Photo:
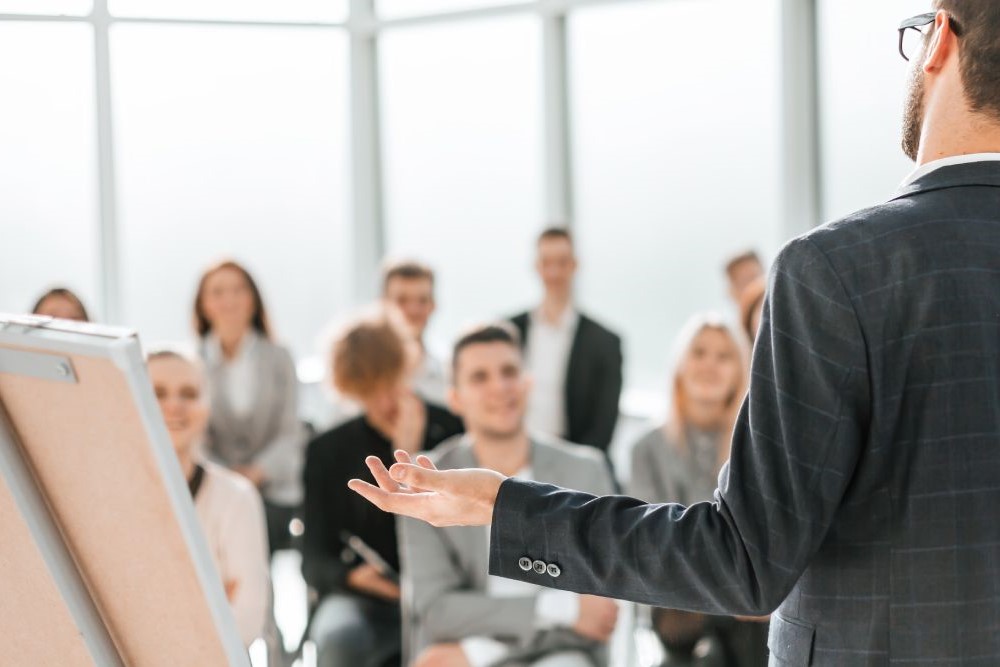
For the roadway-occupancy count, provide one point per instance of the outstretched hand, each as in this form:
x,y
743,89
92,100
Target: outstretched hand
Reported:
x,y
440,497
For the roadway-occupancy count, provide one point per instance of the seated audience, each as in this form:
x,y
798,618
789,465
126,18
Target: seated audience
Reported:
x,y
576,364
409,287
61,303
680,462
357,621
462,617
228,506
254,428
741,270
752,306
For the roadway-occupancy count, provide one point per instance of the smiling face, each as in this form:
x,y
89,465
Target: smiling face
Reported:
x,y
228,301
490,391
556,264
414,298
711,371
180,391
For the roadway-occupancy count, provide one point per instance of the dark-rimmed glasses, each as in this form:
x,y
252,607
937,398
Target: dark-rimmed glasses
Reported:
x,y
917,24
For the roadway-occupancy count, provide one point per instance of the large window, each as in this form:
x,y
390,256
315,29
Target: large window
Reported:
x,y
863,87
463,175
232,142
397,8
55,7
247,10
675,116
48,170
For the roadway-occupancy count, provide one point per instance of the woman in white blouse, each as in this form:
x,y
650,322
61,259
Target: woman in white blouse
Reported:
x,y
228,506
254,428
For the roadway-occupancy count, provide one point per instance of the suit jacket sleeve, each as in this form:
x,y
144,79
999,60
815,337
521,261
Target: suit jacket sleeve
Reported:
x,y
440,597
609,389
797,441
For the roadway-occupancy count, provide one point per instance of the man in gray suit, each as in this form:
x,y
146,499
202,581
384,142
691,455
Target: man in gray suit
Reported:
x,y
862,497
464,616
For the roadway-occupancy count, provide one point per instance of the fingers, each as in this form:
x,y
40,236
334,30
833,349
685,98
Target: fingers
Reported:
x,y
422,460
381,475
419,477
425,462
408,504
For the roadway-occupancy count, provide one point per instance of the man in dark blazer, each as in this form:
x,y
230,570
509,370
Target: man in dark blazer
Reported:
x,y
862,497
576,363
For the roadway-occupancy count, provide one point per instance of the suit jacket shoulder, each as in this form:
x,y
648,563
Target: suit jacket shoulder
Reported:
x,y
591,327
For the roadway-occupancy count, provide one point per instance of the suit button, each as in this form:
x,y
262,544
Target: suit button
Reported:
x,y
524,563
539,567
553,570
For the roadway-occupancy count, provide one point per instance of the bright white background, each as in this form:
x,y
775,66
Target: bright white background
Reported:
x,y
234,140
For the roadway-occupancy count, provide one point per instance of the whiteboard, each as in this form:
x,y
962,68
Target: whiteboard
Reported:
x,y
102,559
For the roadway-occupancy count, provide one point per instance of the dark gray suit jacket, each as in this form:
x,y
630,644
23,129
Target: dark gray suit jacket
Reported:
x,y
862,498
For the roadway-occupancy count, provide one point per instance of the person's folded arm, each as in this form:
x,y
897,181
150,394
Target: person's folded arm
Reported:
x,y
796,444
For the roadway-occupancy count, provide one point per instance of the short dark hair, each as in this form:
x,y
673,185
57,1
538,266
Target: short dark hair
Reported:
x,y
740,257
490,332
407,269
61,293
978,24
556,232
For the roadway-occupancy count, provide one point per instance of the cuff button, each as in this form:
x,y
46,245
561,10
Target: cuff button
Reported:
x,y
554,570
539,567
524,563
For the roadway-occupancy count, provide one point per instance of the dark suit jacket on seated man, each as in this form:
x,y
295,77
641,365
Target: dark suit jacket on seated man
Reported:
x,y
862,497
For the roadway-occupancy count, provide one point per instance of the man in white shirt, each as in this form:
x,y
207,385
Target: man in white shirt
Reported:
x,y
576,363
460,616
408,286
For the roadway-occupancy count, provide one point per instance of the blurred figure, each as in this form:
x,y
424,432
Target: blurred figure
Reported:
x,y
228,506
680,462
409,287
61,303
357,622
462,617
254,427
751,307
741,270
576,364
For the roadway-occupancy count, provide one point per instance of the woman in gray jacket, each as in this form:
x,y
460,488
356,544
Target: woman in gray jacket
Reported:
x,y
255,428
680,462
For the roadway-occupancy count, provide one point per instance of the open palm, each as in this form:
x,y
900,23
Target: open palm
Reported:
x,y
440,497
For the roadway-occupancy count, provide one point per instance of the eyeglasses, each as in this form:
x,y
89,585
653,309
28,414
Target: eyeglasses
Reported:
x,y
911,33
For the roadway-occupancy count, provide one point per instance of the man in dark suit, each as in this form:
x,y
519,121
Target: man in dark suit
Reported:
x,y
862,497
576,363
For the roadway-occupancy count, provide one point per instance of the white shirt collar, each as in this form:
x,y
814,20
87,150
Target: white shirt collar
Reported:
x,y
213,348
927,168
567,321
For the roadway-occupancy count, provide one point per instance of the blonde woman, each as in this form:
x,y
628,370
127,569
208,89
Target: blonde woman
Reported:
x,y
680,462
228,506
